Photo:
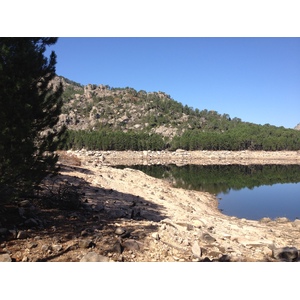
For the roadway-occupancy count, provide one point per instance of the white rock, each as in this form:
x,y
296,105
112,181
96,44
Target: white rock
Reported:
x,y
196,250
155,235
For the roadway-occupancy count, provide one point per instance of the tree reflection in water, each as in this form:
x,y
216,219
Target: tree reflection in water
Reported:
x,y
247,191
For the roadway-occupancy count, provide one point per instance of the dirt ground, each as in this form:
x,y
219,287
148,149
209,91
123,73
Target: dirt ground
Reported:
x,y
127,216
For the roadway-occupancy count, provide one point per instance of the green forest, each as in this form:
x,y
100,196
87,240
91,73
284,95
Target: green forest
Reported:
x,y
111,140
242,137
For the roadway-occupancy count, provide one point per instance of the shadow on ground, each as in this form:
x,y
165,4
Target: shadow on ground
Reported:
x,y
68,210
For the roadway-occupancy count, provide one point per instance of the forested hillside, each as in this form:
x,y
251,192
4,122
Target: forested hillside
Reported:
x,y
100,117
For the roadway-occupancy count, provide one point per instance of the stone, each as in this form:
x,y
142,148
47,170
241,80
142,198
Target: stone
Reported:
x,y
196,259
131,245
99,207
56,248
117,247
255,243
297,223
185,242
206,259
94,257
22,235
286,254
265,220
120,231
208,238
224,258
32,245
282,220
85,243
155,235
189,227
197,223
226,236
196,250
45,248
267,251
5,258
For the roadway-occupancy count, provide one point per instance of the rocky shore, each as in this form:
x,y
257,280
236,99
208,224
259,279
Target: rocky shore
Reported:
x,y
127,216
182,157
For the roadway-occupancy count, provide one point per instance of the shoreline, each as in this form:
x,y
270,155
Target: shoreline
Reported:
x,y
182,157
192,220
196,211
128,216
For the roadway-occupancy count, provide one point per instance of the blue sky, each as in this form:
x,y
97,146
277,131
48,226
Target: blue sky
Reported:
x,y
255,79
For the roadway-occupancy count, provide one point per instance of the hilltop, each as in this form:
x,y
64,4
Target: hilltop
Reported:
x,y
100,106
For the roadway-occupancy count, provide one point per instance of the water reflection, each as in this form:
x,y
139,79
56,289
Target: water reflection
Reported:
x,y
272,201
251,192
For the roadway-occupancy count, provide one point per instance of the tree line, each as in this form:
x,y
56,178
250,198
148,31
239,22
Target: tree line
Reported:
x,y
242,137
111,140
245,136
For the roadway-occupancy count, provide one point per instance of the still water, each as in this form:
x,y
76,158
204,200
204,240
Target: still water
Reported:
x,y
277,200
250,192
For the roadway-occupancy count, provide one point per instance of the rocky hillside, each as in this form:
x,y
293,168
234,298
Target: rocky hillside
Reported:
x,y
101,106
297,127
106,118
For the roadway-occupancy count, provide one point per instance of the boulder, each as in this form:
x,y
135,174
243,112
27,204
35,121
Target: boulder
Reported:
x,y
5,258
94,257
86,243
286,254
131,244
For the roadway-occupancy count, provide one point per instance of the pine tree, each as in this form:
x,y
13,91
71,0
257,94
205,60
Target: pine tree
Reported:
x,y
30,106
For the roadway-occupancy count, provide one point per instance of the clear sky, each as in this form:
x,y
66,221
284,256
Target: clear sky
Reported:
x,y
255,79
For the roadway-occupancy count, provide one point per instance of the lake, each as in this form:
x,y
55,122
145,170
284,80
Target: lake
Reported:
x,y
250,192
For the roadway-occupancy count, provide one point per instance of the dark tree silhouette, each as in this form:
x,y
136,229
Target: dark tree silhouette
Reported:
x,y
30,106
